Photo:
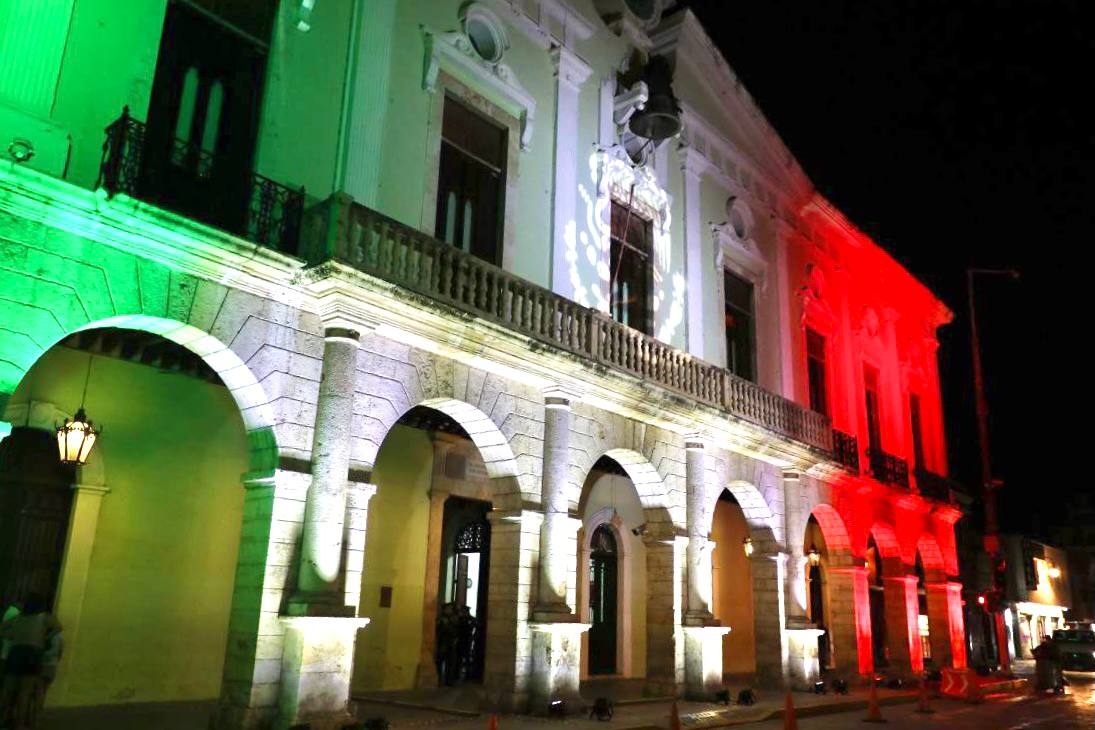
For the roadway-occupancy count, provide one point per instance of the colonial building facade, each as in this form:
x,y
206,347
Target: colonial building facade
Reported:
x,y
397,310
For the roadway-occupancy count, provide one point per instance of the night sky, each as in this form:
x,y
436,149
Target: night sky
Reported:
x,y
953,132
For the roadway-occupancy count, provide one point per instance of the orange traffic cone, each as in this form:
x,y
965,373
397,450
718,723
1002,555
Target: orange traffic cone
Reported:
x,y
790,721
874,714
492,722
674,718
922,700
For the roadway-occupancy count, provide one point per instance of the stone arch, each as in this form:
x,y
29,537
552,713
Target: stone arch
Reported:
x,y
758,515
885,537
498,458
246,391
648,484
832,527
503,418
931,556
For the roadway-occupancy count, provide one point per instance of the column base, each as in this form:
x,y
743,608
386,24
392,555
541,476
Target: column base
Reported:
x,y
556,665
316,665
703,660
803,670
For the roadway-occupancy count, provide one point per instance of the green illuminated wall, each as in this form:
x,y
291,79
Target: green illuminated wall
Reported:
x,y
155,610
395,555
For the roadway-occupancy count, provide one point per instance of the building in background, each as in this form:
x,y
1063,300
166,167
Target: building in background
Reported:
x,y
395,312
1037,592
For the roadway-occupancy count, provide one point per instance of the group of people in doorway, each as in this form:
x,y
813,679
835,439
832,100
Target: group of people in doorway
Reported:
x,y
30,650
457,632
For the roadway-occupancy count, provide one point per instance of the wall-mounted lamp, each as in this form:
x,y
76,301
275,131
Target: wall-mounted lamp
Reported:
x,y
1054,572
813,555
747,546
639,531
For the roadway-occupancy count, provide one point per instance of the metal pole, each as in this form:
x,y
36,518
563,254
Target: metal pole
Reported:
x,y
989,485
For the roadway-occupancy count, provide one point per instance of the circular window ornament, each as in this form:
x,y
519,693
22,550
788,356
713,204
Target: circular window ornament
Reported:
x,y
485,31
739,217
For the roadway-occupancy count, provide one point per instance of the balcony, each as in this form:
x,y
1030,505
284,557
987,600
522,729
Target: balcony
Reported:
x,y
193,182
384,248
888,468
846,451
939,488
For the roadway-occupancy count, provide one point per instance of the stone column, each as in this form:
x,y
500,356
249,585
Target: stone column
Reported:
x,y
321,620
665,559
69,605
320,574
699,567
847,615
946,624
570,73
696,265
557,640
794,534
902,630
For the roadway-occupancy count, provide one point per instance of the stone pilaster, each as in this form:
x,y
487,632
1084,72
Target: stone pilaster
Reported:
x,y
946,624
514,546
357,518
79,543
803,670
426,675
570,73
846,616
317,661
665,567
902,631
793,523
696,265
769,616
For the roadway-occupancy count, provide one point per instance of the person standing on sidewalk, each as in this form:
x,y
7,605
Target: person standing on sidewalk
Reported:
x,y
27,635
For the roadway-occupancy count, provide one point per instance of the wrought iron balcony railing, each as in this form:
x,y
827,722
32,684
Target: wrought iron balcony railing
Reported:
x,y
342,230
939,488
194,182
846,451
888,468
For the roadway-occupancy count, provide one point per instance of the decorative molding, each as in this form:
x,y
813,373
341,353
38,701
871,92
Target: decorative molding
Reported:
x,y
569,68
740,255
453,53
616,176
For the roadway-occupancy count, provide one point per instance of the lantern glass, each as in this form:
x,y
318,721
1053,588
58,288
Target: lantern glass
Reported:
x,y
747,546
813,555
75,439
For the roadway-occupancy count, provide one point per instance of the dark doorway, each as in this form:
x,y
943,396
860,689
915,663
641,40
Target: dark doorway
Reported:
x,y
203,114
465,570
817,615
878,605
603,571
35,503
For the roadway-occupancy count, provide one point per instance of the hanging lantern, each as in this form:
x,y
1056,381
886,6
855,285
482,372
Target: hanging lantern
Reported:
x,y
813,555
747,546
76,438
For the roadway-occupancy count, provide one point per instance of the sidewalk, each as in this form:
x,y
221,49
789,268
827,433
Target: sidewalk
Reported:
x,y
629,715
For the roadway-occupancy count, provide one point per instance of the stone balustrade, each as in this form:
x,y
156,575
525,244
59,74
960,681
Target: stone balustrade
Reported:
x,y
382,247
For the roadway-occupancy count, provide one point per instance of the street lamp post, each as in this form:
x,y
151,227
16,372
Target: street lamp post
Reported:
x,y
988,483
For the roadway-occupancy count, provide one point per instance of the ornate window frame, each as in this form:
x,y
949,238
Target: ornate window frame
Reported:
x,y
740,255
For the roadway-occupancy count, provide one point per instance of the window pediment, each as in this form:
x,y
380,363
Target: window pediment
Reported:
x,y
741,255
455,53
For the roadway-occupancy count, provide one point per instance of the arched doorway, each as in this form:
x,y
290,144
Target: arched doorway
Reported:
x,y
732,586
611,575
817,590
465,578
146,549
877,591
427,561
603,608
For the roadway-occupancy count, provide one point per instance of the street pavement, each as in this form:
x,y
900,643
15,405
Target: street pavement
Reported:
x,y
1018,711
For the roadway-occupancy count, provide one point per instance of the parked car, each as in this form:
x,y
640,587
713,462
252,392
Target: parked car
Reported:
x,y
1076,649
